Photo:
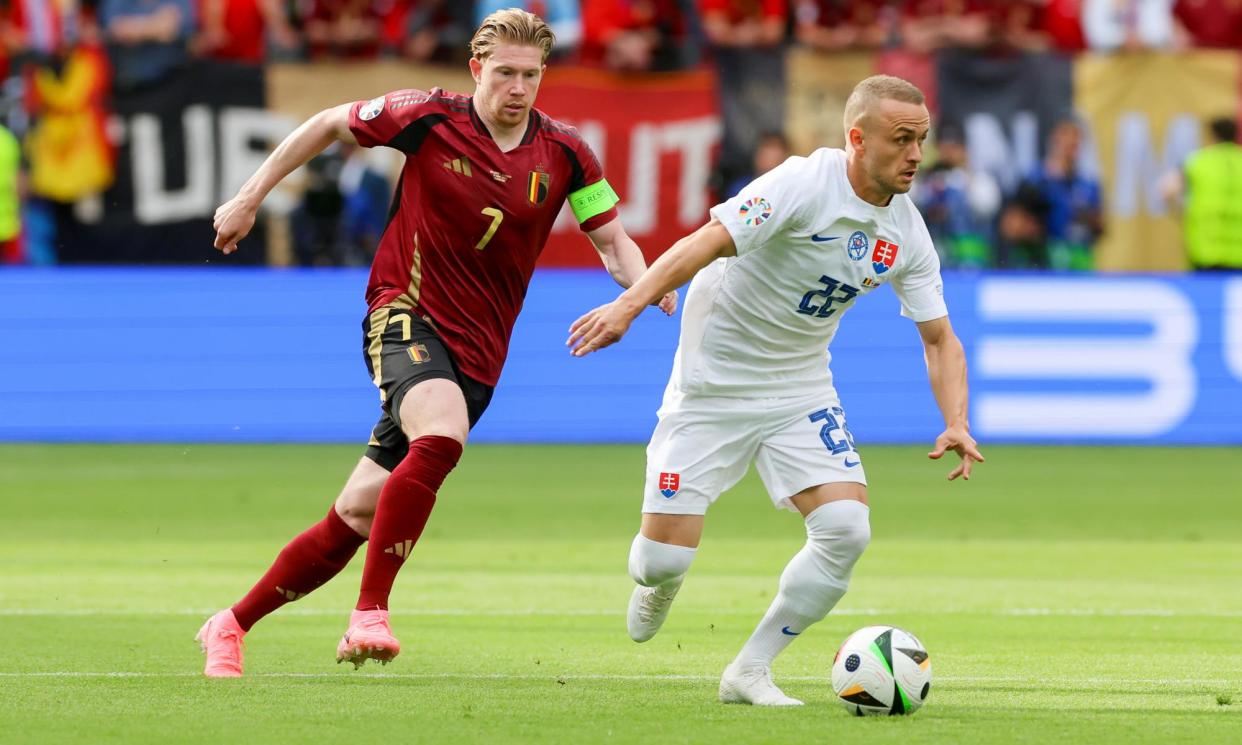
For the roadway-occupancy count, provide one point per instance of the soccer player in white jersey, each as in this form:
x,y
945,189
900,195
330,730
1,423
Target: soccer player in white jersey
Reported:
x,y
774,271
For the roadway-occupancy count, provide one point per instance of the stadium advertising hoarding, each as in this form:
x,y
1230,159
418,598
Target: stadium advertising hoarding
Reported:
x,y
265,355
184,145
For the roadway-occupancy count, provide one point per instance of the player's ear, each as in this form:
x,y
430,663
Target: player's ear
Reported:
x,y
476,69
855,136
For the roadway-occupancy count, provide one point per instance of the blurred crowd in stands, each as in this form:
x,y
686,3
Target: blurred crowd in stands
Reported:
x,y
51,50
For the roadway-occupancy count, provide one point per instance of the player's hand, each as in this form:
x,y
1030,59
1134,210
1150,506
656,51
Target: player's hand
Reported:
x,y
668,303
599,328
959,441
232,222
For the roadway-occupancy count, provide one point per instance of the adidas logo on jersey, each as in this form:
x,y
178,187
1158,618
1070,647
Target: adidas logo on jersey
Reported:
x,y
459,165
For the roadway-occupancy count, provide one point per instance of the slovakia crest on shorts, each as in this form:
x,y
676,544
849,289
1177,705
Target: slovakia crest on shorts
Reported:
x,y
883,256
670,484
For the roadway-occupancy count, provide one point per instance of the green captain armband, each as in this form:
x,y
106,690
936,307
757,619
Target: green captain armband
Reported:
x,y
592,200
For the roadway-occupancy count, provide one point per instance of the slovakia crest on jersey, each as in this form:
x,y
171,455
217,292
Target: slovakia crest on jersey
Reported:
x,y
857,245
884,255
670,484
755,212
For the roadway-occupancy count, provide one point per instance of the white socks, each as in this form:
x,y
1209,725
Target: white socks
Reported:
x,y
813,581
653,564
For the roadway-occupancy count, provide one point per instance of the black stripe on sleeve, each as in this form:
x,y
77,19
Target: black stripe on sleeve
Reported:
x,y
578,179
410,139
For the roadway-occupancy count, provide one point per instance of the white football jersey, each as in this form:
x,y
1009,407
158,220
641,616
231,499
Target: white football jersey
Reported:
x,y
759,323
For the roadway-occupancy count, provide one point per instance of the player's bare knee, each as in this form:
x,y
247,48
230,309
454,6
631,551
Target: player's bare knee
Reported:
x,y
356,515
653,563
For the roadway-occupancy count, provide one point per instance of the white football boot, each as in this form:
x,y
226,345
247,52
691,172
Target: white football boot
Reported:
x,y
752,685
648,609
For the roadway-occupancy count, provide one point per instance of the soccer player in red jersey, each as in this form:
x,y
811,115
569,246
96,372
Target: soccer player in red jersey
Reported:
x,y
483,181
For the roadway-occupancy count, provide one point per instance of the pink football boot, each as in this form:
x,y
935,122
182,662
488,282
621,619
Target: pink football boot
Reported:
x,y
221,639
369,638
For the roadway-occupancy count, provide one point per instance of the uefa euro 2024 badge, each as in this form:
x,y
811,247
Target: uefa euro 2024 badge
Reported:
x,y
371,109
755,211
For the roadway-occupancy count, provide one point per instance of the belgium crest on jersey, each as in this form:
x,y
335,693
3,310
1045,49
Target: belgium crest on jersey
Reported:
x,y
537,187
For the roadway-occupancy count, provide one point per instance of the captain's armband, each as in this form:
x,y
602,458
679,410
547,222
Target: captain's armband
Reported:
x,y
592,200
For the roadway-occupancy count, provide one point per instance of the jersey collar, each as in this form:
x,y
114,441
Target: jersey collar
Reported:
x,y
533,122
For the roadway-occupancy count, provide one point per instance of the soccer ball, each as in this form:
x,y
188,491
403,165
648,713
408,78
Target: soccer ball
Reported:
x,y
881,670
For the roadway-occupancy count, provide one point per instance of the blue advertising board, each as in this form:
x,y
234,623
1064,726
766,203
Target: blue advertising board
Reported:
x,y
261,355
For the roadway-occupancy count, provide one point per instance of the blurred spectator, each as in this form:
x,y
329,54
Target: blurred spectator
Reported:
x,y
71,159
1211,184
146,38
1211,23
430,30
747,41
341,28
772,150
238,29
744,24
344,208
930,25
633,35
1062,22
316,222
1022,230
839,25
364,213
10,198
958,203
70,154
564,16
1074,220
37,28
1129,25
1019,25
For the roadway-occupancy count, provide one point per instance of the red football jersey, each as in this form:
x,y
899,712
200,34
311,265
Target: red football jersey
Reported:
x,y
468,222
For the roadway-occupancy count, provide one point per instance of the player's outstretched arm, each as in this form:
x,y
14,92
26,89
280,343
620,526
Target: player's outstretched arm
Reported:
x,y
235,218
624,259
608,323
946,368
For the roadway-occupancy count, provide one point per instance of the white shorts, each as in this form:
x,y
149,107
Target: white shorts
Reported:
x,y
703,446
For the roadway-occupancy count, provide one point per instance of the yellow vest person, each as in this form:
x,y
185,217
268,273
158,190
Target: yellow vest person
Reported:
x,y
1213,218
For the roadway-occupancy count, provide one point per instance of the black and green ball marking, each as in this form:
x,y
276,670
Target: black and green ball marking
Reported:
x,y
882,647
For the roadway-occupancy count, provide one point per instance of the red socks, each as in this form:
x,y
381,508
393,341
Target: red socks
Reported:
x,y
311,559
405,503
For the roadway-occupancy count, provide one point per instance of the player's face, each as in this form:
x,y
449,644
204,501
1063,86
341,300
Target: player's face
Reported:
x,y
507,82
893,136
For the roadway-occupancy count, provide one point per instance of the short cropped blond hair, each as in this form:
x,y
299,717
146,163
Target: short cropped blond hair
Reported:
x,y
874,89
515,26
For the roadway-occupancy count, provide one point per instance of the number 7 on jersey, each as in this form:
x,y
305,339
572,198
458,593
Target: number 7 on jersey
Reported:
x,y
497,216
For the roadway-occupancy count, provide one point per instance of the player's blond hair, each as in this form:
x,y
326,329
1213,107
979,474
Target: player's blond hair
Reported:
x,y
874,89
515,26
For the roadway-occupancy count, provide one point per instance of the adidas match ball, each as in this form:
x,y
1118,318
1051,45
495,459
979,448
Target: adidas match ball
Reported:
x,y
881,670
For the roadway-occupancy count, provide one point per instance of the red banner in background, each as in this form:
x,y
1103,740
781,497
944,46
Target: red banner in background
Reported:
x,y
656,136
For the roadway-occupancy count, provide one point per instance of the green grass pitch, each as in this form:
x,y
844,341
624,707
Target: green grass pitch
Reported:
x,y
1066,595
